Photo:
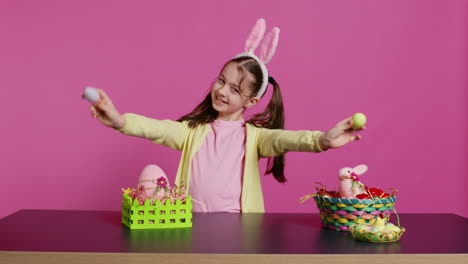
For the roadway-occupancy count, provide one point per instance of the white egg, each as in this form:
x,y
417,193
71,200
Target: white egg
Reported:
x,y
91,94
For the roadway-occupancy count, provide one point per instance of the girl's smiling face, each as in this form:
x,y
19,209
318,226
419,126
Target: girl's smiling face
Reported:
x,y
231,95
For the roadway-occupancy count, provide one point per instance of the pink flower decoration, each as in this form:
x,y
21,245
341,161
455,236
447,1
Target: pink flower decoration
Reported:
x,y
354,176
162,182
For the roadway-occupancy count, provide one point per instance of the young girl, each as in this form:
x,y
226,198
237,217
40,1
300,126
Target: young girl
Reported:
x,y
220,150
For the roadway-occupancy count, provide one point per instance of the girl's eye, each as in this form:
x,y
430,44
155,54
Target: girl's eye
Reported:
x,y
235,90
221,80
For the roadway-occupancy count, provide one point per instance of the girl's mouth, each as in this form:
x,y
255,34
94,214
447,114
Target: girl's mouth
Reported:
x,y
219,101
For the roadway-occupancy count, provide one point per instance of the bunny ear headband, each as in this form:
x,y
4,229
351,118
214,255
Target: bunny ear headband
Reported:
x,y
267,49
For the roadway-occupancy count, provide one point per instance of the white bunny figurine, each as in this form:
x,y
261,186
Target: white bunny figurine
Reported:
x,y
350,185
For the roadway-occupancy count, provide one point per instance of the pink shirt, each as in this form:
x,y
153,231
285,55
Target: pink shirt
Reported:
x,y
217,168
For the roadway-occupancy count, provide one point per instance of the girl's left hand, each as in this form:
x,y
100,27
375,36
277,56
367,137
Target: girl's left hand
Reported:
x,y
340,135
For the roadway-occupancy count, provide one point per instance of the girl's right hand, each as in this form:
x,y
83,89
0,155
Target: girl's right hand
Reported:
x,y
105,112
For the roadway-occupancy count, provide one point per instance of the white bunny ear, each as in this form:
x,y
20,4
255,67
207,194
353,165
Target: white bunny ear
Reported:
x,y
255,36
360,169
269,44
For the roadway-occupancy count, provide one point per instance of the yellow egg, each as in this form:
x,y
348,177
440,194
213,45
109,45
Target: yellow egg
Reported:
x,y
392,227
359,120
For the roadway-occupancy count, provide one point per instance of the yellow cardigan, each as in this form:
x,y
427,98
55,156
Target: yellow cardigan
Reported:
x,y
260,143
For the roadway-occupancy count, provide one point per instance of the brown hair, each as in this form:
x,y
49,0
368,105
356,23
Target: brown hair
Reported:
x,y
272,117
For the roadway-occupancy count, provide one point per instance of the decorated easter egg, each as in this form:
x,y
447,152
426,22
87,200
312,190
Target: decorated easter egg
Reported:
x,y
151,178
91,94
359,120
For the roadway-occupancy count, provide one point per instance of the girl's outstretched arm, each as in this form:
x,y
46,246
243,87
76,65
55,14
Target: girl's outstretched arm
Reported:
x,y
167,132
276,142
340,135
104,111
164,132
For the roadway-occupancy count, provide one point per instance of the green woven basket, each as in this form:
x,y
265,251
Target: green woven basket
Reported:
x,y
159,215
340,214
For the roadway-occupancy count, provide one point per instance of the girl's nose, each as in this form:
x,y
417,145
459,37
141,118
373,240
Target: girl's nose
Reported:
x,y
222,90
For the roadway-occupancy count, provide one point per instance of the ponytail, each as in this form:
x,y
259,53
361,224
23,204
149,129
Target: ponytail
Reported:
x,y
273,118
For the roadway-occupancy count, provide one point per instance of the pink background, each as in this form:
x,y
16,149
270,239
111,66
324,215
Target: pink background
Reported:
x,y
402,63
